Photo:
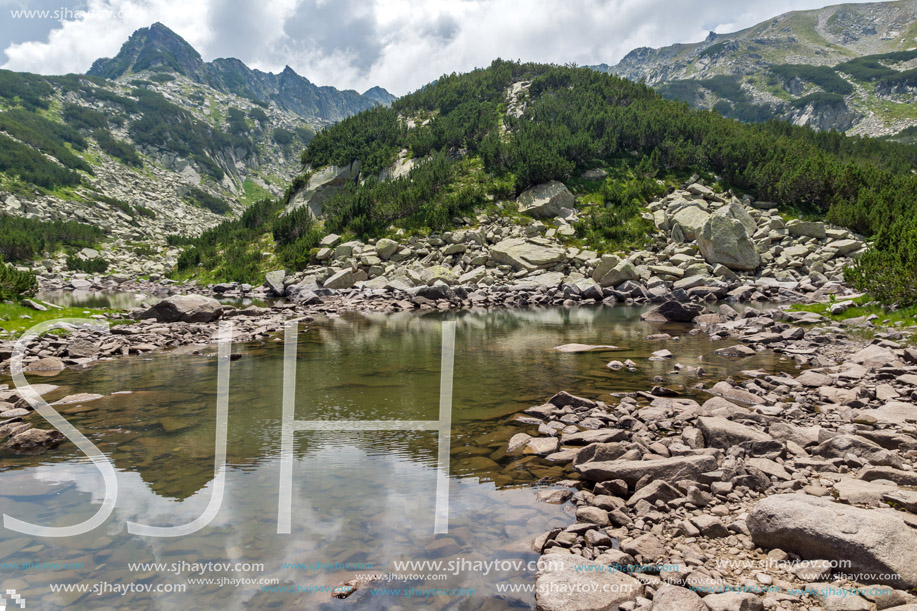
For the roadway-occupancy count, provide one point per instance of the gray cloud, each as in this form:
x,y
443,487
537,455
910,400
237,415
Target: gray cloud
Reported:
x,y
398,44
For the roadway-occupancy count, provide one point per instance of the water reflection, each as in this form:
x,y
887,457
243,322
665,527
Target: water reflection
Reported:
x,y
358,496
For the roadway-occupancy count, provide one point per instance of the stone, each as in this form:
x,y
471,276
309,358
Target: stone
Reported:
x,y
840,446
622,272
808,229
874,357
569,582
875,543
274,281
658,490
675,311
737,211
385,248
547,200
541,446
34,441
814,379
647,547
593,515
691,220
675,598
343,279
185,308
734,601
724,241
524,254
670,470
735,352
49,363
723,433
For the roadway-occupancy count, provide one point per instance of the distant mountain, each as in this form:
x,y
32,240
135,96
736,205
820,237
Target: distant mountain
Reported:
x,y
848,67
159,49
155,142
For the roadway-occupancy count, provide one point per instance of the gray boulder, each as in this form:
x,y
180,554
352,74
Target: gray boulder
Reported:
x,y
735,210
724,240
723,433
274,281
185,308
527,254
343,279
734,601
808,229
675,598
691,220
568,582
876,543
547,200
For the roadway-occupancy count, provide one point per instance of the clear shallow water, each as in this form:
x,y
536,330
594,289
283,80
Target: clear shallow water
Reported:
x,y
119,300
358,497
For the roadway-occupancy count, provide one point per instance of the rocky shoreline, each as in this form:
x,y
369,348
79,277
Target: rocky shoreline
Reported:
x,y
776,492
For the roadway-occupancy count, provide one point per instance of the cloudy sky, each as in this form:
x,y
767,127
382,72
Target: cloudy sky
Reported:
x,y
398,44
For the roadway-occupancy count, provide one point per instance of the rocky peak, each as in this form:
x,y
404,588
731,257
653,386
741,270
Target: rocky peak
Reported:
x,y
155,47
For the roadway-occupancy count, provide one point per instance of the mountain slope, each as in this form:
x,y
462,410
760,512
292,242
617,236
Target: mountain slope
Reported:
x,y
162,144
819,68
159,49
478,141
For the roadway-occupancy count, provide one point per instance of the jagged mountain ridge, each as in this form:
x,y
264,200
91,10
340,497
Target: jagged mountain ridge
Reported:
x,y
158,149
760,72
158,48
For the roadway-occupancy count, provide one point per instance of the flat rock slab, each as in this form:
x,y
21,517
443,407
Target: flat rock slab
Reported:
x,y
668,469
874,542
586,348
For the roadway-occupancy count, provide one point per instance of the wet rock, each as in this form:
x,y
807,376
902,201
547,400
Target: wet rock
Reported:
x,y
49,363
674,311
34,441
737,351
185,308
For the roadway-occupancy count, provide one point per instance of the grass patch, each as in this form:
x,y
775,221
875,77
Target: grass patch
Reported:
x,y
864,306
252,192
11,313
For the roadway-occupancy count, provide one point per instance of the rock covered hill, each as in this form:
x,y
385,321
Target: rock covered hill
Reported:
x,y
847,67
155,142
520,171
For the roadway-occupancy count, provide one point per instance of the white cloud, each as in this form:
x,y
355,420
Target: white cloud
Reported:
x,y
398,44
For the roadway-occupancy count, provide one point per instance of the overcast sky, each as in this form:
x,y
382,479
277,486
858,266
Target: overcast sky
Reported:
x,y
398,44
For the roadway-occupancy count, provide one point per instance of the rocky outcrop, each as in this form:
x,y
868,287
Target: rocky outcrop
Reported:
x,y
322,185
527,254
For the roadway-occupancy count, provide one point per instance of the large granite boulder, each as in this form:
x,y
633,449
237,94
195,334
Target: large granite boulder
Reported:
x,y
546,201
735,210
724,240
185,308
274,281
527,254
875,542
691,220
